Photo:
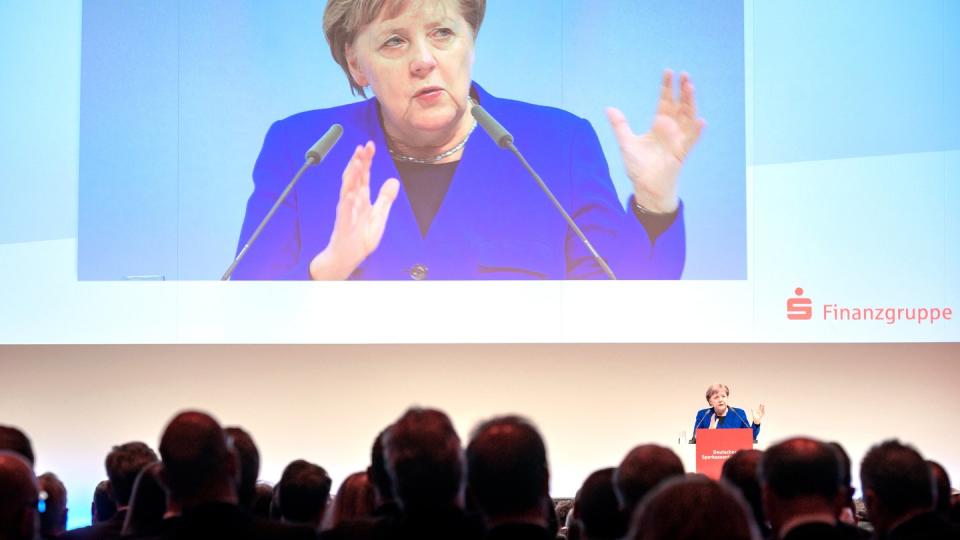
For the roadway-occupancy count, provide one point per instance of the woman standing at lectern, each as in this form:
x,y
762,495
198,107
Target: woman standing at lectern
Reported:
x,y
720,415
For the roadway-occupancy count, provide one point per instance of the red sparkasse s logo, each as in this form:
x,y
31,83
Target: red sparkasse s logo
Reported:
x,y
798,307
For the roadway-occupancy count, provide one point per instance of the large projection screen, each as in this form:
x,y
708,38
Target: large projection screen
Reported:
x,y
819,205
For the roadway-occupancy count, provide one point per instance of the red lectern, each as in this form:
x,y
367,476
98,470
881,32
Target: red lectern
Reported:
x,y
714,446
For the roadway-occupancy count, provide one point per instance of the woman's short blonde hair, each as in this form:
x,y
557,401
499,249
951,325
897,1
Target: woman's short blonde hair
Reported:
x,y
716,388
344,19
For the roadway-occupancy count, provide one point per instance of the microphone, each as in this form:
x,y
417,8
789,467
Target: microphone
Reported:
x,y
504,140
742,418
693,439
314,155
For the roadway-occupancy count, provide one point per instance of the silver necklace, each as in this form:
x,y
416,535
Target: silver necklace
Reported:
x,y
438,157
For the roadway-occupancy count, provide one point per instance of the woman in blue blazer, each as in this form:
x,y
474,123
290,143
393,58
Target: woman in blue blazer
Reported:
x,y
450,204
721,416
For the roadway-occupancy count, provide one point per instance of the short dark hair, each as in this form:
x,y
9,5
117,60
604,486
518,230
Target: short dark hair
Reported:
x,y
425,460
507,469
641,470
377,472
123,464
13,439
302,491
692,507
846,473
53,520
801,467
597,507
742,471
195,454
262,500
148,504
249,464
898,476
102,508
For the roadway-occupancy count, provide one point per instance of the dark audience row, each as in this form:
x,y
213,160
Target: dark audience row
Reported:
x,y
422,484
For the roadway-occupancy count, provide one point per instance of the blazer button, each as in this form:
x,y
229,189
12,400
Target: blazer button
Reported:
x,y
419,272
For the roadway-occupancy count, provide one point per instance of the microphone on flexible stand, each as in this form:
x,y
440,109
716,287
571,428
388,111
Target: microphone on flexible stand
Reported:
x,y
504,140
693,439
744,420
314,155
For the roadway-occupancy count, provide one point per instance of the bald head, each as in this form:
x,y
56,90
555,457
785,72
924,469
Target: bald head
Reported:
x,y
801,467
643,469
198,465
18,497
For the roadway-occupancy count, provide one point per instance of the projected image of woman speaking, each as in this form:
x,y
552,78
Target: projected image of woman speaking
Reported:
x,y
416,190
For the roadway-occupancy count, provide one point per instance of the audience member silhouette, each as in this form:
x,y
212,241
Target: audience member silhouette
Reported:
x,y
249,464
641,470
848,512
424,459
302,494
18,497
803,492
123,464
262,500
53,519
509,479
355,501
102,508
692,508
598,509
386,504
16,441
742,471
148,504
200,472
898,492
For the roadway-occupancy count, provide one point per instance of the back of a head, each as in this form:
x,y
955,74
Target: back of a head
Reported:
x,y
691,508
123,464
18,497
507,471
262,500
898,478
742,471
641,470
103,508
249,464
302,492
16,441
801,468
53,520
846,473
941,480
148,503
377,471
195,456
598,509
354,501
424,460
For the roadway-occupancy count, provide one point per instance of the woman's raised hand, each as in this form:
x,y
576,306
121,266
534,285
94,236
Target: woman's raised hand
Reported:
x,y
653,159
359,224
758,414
